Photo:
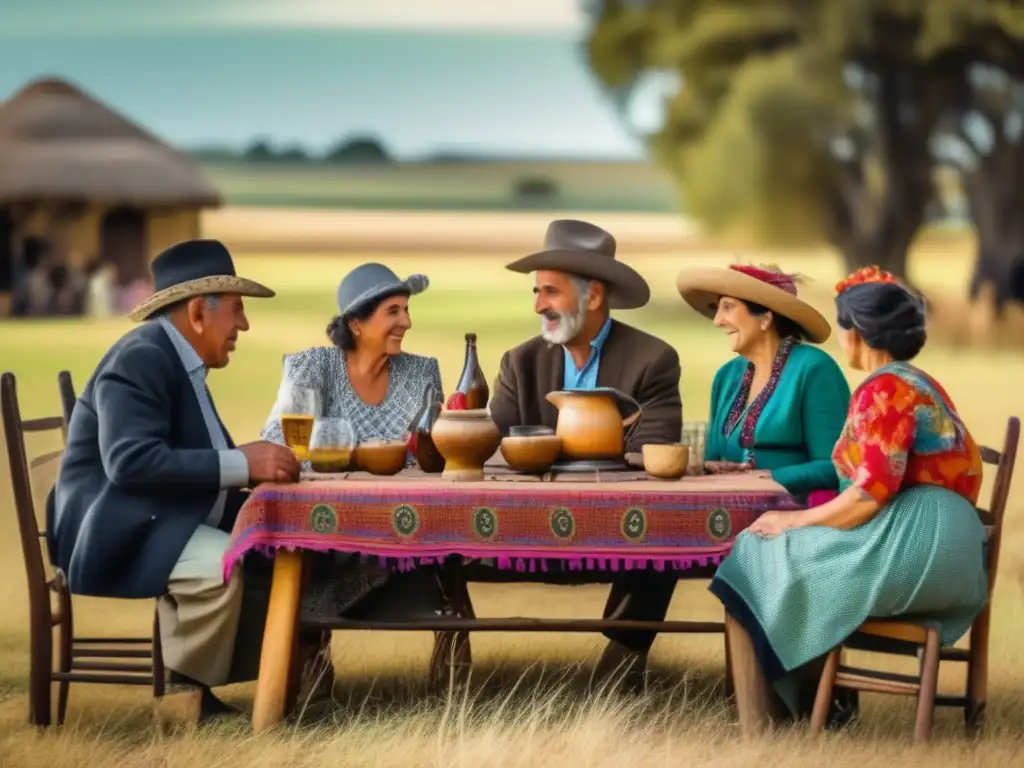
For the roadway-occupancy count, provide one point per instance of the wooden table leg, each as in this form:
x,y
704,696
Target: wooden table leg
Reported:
x,y
279,637
452,657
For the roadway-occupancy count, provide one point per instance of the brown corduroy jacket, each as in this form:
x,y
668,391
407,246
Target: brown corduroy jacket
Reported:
x,y
632,361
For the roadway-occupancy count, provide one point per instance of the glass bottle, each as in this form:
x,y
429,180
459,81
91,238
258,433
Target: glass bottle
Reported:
x,y
472,382
422,445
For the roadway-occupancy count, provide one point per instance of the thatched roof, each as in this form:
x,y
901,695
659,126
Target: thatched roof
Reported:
x,y
58,142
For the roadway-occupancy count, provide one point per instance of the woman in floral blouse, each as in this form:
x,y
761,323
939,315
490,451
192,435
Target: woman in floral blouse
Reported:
x,y
901,538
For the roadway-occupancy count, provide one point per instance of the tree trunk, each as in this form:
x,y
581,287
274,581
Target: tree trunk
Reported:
x,y
878,229
993,191
885,246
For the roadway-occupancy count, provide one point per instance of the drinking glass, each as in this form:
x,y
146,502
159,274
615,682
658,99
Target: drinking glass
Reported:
x,y
298,406
694,433
332,442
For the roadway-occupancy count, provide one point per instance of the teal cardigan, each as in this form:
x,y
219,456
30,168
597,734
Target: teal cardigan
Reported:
x,y
797,429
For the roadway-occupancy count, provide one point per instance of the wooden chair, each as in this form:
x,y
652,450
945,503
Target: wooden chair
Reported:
x,y
80,659
908,638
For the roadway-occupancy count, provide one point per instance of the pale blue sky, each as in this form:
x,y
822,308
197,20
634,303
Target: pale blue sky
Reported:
x,y
493,76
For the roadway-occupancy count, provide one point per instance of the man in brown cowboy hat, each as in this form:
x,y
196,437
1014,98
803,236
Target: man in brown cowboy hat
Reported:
x,y
150,481
577,281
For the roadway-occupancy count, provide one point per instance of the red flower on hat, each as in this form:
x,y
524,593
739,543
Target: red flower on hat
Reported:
x,y
768,274
863,276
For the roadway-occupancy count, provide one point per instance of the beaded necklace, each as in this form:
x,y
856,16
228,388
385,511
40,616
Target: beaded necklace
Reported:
x,y
756,407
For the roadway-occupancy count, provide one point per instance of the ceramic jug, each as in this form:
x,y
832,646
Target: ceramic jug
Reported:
x,y
592,422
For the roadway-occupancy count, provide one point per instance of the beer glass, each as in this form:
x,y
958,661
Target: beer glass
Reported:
x,y
694,433
298,406
332,441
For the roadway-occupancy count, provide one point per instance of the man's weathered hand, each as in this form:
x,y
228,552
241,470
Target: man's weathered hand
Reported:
x,y
270,462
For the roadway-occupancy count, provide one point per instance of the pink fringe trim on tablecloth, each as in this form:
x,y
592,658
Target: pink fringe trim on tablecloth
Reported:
x,y
523,561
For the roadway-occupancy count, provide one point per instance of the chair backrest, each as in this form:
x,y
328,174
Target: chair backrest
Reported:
x,y
67,396
15,429
993,516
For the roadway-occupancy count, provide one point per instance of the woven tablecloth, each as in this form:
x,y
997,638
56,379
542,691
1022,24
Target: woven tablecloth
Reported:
x,y
610,521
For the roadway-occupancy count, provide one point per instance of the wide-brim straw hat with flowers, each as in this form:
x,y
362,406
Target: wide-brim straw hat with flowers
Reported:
x,y
701,287
194,268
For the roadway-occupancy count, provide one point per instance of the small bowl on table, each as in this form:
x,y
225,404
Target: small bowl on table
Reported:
x,y
531,453
381,457
666,462
530,430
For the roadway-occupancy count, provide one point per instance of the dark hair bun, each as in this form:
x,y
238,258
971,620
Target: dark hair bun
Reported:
x,y
886,315
339,333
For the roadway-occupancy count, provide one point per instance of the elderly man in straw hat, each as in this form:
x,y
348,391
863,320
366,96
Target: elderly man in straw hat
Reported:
x,y
577,282
149,484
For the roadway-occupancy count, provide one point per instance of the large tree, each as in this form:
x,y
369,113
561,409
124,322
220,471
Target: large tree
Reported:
x,y
981,136
807,120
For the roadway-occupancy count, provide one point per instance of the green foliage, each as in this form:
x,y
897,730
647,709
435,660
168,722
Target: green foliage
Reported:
x,y
762,159
752,135
743,134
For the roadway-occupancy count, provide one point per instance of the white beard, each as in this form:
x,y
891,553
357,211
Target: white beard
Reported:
x,y
568,325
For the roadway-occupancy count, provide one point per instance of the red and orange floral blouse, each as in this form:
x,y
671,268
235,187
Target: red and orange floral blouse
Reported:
x,y
902,430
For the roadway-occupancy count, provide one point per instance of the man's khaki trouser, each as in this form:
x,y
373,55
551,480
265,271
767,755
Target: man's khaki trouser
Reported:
x,y
211,631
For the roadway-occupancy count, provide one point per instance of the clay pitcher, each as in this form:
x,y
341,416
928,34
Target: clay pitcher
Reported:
x,y
592,423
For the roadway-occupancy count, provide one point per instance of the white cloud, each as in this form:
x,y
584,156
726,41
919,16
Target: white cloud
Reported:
x,y
426,15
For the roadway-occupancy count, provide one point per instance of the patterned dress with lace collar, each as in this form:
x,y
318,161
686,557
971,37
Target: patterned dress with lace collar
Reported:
x,y
340,581
323,369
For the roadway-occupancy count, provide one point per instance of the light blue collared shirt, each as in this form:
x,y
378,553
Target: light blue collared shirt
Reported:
x,y
585,377
234,467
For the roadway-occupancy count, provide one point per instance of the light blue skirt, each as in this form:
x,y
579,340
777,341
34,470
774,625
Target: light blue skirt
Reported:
x,y
804,592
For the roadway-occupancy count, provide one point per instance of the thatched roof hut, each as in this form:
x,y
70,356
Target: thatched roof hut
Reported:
x,y
56,142
81,184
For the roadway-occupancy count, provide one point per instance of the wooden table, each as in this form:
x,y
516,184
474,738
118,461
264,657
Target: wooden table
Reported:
x,y
585,522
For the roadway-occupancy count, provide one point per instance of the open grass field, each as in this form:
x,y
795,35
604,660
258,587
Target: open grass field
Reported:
x,y
526,704
468,185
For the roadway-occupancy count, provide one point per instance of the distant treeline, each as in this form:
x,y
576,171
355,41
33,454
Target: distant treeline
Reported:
x,y
362,150
359,149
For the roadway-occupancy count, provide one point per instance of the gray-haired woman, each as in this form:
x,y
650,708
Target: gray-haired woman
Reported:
x,y
366,378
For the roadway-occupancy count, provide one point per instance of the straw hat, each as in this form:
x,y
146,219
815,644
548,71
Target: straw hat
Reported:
x,y
194,268
701,287
586,250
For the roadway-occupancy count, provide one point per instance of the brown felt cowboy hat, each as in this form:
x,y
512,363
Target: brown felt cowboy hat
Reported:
x,y
701,287
194,268
586,250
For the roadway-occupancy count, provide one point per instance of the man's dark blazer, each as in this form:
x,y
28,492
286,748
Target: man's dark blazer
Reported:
x,y
139,472
632,361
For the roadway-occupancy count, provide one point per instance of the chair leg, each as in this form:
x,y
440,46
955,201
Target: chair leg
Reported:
x,y
977,674
40,671
929,686
67,641
826,686
159,674
728,665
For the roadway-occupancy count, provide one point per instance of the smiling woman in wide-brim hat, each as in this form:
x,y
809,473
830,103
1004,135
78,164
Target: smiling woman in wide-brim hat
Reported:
x,y
702,287
780,404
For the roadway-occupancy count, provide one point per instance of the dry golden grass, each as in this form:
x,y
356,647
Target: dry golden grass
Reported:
x,y
527,703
